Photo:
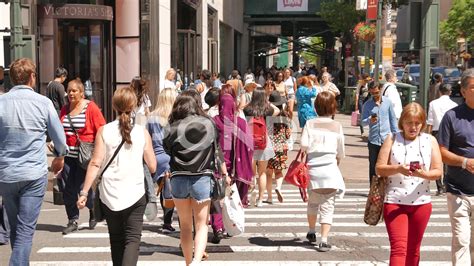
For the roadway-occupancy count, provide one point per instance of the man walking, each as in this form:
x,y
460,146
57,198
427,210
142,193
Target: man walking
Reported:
x,y
436,111
390,91
379,115
456,140
25,117
55,90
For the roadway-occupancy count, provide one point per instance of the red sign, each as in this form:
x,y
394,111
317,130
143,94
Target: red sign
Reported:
x,y
372,9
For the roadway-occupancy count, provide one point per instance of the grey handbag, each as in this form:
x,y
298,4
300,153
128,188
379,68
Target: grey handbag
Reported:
x,y
85,148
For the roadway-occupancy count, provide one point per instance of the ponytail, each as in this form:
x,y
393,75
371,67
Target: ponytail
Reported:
x,y
125,126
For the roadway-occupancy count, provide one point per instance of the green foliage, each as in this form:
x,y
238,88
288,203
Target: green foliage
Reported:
x,y
460,24
314,45
341,16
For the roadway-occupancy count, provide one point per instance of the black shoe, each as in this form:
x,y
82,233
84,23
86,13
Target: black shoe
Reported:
x,y
70,227
311,237
218,235
324,247
92,220
167,228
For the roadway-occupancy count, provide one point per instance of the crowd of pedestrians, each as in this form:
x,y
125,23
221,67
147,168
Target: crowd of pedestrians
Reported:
x,y
241,128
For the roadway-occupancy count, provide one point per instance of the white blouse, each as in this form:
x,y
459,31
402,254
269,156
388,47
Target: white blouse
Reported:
x,y
123,182
409,190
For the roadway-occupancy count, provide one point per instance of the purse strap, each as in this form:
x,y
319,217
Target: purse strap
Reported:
x,y
73,128
111,159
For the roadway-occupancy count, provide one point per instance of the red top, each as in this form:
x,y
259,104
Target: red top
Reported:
x,y
94,121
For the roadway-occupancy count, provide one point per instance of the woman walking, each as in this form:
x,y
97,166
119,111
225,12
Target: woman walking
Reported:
x,y
141,89
257,112
81,120
322,141
305,93
290,84
279,132
124,214
192,165
410,159
156,125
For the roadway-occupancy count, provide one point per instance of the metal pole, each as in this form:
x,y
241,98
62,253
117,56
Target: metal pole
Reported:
x,y
425,52
16,42
378,39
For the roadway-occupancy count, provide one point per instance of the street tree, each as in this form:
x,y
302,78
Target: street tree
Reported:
x,y
460,24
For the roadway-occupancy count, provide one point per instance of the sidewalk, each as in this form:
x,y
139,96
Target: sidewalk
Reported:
x,y
354,167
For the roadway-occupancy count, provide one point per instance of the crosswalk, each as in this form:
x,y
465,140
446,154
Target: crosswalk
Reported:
x,y
275,235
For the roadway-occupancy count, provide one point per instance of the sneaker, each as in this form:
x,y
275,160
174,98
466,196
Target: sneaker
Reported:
x,y
311,237
92,220
167,228
279,195
70,227
218,235
324,247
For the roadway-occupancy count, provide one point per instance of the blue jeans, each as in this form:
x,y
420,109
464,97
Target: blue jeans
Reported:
x,y
22,200
196,187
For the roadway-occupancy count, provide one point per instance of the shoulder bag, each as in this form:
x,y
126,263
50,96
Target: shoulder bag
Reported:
x,y
219,186
298,175
374,205
85,148
97,209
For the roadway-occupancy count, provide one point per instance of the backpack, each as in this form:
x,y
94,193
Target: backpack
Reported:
x,y
259,133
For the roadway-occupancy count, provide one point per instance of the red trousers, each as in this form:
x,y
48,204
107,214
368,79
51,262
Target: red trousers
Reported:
x,y
406,225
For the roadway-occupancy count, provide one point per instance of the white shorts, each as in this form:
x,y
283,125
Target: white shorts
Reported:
x,y
322,203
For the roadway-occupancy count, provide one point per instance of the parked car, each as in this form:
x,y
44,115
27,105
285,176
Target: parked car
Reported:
x,y
411,74
399,72
452,76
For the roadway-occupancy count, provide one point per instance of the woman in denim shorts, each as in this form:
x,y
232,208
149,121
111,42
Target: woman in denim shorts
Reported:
x,y
190,144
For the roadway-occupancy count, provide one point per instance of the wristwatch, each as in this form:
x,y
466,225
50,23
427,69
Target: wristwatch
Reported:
x,y
82,193
464,163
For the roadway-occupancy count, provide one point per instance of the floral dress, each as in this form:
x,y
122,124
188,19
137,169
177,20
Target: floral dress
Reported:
x,y
281,134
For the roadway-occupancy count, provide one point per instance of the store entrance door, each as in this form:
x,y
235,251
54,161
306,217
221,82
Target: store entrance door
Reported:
x,y
186,55
84,51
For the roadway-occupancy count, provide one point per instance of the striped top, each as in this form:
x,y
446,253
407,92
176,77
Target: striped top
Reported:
x,y
79,122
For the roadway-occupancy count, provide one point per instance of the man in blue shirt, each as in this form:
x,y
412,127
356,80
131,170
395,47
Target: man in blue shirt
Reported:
x,y
456,141
25,117
379,115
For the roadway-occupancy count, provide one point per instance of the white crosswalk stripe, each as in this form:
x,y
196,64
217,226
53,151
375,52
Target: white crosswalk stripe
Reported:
x,y
281,229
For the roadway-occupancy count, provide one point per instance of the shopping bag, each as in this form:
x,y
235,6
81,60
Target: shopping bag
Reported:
x,y
233,213
355,118
374,204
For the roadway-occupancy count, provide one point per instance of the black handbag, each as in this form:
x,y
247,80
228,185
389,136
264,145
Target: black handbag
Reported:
x,y
85,148
97,208
219,183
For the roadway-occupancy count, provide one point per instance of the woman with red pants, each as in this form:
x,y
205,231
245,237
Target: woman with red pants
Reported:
x,y
410,159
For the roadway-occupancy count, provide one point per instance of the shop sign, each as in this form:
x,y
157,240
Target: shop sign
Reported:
x,y
372,9
292,5
76,11
361,4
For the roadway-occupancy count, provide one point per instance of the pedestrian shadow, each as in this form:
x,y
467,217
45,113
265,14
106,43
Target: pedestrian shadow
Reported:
x,y
266,242
147,249
53,228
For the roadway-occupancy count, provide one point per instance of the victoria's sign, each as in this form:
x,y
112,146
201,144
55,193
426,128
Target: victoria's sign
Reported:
x,y
292,5
76,11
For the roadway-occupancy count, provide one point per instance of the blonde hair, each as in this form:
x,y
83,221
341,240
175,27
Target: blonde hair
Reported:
x,y
164,105
168,73
413,110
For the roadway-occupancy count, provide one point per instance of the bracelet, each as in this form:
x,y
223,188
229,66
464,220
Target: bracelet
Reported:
x,y
82,193
464,163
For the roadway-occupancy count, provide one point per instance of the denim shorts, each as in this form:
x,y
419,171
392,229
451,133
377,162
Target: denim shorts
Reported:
x,y
196,187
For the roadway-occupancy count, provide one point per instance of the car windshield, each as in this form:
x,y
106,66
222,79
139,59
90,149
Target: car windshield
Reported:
x,y
452,72
400,72
414,69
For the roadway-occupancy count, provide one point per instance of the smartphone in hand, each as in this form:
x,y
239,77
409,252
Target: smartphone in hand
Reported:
x,y
415,165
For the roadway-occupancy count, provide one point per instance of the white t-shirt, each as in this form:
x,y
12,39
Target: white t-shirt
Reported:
x,y
390,91
168,84
145,103
437,109
409,190
205,106
289,84
123,182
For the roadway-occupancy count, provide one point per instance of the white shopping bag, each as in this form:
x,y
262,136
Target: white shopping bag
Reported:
x,y
233,213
